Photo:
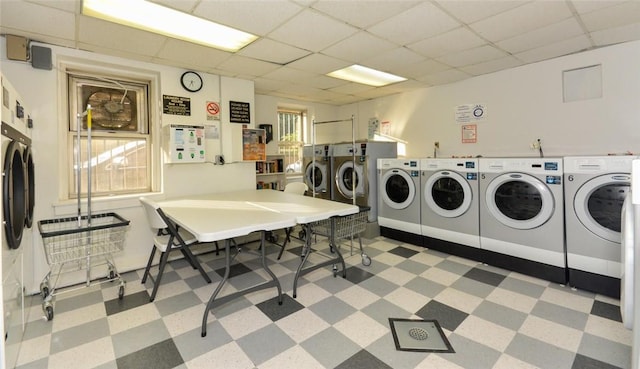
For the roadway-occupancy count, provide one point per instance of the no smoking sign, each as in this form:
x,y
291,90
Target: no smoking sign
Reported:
x,y
213,110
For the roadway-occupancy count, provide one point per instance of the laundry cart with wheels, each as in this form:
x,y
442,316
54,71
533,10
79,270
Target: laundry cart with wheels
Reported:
x,y
83,241
77,243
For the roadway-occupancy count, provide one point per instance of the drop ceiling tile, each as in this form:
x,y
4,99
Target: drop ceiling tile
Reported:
x,y
185,6
117,53
473,11
472,56
375,93
550,34
358,47
187,52
424,67
565,47
421,21
522,19
351,88
290,75
319,63
616,35
394,61
257,17
117,37
456,40
444,77
363,14
66,5
263,85
37,20
613,16
492,66
313,31
239,64
325,82
587,6
273,51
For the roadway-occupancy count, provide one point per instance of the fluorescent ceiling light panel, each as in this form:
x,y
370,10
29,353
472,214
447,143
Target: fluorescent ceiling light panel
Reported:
x,y
358,73
155,18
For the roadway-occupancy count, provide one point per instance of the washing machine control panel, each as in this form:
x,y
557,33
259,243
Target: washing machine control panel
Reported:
x,y
556,180
472,176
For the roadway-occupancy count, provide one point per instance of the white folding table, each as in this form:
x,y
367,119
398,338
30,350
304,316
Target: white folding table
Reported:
x,y
223,216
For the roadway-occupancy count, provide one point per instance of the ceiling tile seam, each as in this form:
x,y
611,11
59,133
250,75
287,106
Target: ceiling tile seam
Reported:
x,y
583,27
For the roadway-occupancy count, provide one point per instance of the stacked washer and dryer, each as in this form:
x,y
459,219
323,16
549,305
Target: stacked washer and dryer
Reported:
x,y
449,214
399,199
522,217
595,190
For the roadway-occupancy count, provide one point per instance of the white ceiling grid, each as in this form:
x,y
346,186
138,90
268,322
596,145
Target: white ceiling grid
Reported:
x,y
430,42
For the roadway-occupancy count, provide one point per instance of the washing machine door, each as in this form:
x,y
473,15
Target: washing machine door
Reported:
x,y
627,257
448,194
519,200
398,189
344,179
315,176
598,204
30,183
13,195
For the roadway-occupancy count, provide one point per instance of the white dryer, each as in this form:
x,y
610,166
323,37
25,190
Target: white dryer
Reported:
x,y
399,199
521,215
450,217
595,189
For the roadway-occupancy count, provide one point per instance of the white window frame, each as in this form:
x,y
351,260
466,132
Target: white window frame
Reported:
x,y
282,145
69,65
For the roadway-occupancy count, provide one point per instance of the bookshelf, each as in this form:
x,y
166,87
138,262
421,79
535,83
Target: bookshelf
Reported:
x,y
270,174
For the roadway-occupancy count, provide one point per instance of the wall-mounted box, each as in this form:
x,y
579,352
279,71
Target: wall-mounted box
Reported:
x,y
184,144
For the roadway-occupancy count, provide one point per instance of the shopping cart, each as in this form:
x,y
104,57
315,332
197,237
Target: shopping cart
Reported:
x,y
346,227
72,244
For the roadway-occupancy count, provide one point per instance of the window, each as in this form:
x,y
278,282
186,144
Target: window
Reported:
x,y
290,130
120,161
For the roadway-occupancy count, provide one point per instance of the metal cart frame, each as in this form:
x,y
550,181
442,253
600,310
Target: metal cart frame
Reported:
x,y
82,242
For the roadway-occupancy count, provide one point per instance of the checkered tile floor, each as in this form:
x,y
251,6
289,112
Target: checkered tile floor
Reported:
x,y
493,318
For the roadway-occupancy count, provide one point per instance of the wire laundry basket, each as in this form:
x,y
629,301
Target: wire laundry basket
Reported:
x,y
346,227
81,242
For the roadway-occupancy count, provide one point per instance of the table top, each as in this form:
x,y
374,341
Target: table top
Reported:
x,y
219,216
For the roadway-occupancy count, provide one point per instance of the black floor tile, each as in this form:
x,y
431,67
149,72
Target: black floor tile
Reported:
x,y
448,317
485,276
275,311
363,359
236,269
356,275
162,355
585,362
606,310
403,251
128,302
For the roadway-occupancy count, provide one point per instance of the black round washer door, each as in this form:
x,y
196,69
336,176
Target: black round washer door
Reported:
x,y
13,195
30,190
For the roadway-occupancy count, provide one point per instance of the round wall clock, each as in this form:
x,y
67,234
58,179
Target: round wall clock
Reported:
x,y
191,81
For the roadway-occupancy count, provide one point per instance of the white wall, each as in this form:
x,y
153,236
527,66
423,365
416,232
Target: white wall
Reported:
x,y
523,104
41,89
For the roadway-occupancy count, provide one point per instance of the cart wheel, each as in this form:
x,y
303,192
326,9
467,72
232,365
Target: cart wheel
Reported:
x,y
112,275
366,261
48,311
44,291
335,270
120,292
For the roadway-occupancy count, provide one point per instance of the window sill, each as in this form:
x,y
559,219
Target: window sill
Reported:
x,y
102,204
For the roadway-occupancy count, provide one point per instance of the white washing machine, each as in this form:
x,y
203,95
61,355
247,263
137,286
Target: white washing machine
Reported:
x,y
399,199
450,216
316,166
359,180
595,189
522,215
